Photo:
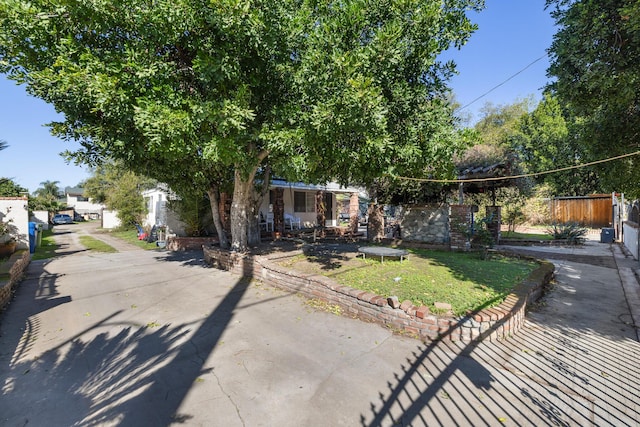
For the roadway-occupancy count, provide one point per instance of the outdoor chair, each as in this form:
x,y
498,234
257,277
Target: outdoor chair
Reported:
x,y
291,222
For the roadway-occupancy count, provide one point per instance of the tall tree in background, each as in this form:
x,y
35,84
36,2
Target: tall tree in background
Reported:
x,y
314,91
595,57
544,142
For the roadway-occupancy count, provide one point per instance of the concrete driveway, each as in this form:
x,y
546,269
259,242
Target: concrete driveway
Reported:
x,y
152,338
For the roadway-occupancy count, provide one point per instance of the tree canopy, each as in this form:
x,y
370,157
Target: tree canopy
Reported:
x,y
9,188
189,90
595,57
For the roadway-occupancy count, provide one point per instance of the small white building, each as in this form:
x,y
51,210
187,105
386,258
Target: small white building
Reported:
x,y
158,213
15,211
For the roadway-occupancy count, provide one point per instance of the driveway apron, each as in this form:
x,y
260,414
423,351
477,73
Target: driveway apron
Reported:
x,y
153,338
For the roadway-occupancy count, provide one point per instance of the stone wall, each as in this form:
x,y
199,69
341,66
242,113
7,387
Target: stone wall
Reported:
x,y
427,223
11,272
493,324
175,243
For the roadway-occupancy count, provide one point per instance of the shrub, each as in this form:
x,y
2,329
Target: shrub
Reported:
x,y
572,232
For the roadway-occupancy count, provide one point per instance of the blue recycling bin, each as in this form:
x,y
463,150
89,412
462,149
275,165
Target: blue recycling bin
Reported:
x,y
33,238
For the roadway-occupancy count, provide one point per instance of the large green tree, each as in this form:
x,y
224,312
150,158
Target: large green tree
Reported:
x,y
204,91
595,58
545,142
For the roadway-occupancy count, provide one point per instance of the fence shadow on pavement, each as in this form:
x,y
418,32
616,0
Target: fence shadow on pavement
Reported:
x,y
543,376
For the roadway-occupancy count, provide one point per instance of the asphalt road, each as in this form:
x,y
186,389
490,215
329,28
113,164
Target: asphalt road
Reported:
x,y
153,338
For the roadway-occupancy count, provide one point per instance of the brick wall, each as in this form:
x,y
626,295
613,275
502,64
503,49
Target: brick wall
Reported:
x,y
459,224
493,324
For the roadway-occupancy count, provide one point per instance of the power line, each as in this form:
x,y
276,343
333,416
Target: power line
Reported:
x,y
500,84
526,175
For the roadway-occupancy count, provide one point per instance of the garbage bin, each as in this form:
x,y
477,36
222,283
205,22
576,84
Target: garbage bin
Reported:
x,y
606,235
39,234
32,237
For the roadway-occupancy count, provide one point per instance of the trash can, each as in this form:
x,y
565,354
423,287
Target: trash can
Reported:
x,y
32,237
606,235
39,234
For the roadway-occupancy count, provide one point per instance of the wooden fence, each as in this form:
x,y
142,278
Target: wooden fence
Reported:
x,y
593,211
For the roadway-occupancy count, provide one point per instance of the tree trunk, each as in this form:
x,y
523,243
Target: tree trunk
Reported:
x,y
375,230
213,201
240,212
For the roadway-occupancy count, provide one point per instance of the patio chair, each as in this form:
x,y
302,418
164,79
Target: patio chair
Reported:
x,y
266,221
291,222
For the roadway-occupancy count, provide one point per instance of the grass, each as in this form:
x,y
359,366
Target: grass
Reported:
x,y
131,236
47,247
462,280
96,245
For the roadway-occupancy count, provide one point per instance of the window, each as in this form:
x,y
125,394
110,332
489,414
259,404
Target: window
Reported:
x,y
304,202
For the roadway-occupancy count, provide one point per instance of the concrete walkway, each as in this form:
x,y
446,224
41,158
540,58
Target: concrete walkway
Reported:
x,y
152,338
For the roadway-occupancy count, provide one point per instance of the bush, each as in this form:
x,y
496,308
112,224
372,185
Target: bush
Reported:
x,y
572,232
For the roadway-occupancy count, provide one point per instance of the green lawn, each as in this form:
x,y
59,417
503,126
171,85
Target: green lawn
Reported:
x,y
96,245
47,247
461,279
131,236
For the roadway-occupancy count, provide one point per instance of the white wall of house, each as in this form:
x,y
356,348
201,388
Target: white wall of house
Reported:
x,y
41,217
82,206
15,211
159,214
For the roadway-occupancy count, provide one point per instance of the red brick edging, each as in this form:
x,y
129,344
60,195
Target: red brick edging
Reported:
x,y
18,263
493,324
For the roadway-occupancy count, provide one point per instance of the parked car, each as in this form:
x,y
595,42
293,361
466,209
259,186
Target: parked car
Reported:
x,y
62,219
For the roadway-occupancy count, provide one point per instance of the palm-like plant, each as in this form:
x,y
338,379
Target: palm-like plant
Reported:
x,y
48,190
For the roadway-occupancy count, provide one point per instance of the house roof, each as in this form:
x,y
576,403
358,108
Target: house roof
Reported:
x,y
332,187
74,191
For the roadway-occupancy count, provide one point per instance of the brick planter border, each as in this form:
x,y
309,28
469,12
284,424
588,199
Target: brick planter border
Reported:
x,y
14,267
496,323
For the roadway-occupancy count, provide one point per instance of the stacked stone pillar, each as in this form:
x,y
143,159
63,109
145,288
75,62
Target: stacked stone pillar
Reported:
x,y
494,220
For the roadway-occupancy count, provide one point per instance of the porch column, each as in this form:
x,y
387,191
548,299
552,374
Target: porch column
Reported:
x,y
321,209
278,209
354,208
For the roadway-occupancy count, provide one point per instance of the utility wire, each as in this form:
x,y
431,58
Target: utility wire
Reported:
x,y
500,84
526,175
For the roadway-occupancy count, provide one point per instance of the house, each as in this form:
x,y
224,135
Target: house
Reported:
x,y
82,205
298,201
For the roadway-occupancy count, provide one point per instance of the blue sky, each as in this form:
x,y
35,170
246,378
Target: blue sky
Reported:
x,y
512,34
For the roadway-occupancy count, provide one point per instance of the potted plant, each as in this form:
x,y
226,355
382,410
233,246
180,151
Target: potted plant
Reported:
x,y
8,241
